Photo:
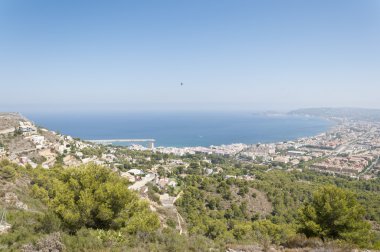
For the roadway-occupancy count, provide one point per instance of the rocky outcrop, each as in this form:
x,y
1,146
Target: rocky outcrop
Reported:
x,y
50,243
12,200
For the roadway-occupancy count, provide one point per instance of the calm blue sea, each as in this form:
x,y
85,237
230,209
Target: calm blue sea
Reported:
x,y
184,129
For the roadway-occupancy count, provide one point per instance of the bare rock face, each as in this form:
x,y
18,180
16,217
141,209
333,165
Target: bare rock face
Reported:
x,y
11,199
4,227
50,243
9,121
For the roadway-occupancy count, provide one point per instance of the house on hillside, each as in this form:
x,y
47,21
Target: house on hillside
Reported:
x,y
128,176
165,182
109,157
136,172
38,140
27,128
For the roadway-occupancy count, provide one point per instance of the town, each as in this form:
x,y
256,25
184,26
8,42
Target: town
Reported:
x,y
350,148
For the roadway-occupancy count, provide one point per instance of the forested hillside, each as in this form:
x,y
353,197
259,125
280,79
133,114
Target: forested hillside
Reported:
x,y
90,208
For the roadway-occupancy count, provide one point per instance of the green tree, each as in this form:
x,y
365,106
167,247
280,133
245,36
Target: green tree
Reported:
x,y
7,173
215,228
161,171
241,230
334,213
94,197
49,223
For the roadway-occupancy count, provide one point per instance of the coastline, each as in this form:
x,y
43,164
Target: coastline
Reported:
x,y
233,148
340,143
183,130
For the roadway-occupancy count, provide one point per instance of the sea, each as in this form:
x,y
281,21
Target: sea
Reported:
x,y
183,129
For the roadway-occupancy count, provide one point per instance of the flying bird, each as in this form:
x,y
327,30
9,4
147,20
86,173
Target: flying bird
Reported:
x,y
181,84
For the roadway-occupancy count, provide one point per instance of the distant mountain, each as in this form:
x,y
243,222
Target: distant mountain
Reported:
x,y
343,113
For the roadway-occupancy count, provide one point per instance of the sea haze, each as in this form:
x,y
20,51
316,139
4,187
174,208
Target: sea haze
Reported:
x,y
184,129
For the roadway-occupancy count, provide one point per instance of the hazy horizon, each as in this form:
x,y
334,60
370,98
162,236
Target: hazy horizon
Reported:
x,y
36,109
229,55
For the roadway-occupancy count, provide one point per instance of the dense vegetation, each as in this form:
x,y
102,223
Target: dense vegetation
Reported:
x,y
334,213
93,210
93,197
222,209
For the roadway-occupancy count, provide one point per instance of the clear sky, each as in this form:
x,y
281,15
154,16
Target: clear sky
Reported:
x,y
242,54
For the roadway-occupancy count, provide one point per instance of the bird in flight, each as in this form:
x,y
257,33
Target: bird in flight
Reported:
x,y
181,84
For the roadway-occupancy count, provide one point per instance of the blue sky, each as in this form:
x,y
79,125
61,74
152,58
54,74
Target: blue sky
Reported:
x,y
236,54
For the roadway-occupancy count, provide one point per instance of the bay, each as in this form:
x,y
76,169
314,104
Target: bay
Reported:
x,y
184,129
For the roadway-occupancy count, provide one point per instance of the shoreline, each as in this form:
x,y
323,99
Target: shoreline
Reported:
x,y
188,130
351,144
227,149
333,122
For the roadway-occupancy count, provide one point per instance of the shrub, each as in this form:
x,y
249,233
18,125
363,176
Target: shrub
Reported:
x,y
94,197
334,213
7,173
49,223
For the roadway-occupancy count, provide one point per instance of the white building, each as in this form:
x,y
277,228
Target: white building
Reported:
x,y
109,157
27,128
37,139
136,172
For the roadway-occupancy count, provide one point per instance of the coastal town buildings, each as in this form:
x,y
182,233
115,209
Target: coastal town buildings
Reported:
x,y
349,148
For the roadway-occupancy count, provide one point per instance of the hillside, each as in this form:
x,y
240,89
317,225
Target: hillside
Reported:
x,y
86,197
212,212
342,113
